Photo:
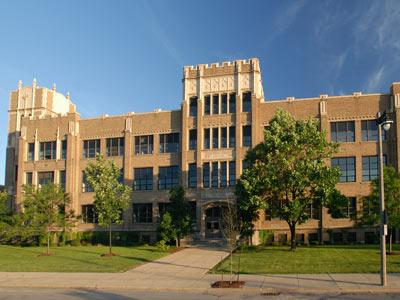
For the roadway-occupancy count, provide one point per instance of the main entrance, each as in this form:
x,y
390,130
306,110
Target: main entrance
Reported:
x,y
213,222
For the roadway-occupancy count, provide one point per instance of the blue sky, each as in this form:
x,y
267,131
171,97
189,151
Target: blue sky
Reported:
x,y
120,56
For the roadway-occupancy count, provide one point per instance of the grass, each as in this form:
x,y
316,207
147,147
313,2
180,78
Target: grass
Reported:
x,y
310,260
75,259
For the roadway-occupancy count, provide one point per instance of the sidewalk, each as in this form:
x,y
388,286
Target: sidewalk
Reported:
x,y
186,270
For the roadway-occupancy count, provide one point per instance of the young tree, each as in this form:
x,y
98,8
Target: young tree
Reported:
x,y
392,203
179,210
110,196
288,172
5,215
167,230
44,209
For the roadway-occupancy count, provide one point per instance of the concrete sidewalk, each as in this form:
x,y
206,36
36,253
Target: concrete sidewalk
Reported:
x,y
186,270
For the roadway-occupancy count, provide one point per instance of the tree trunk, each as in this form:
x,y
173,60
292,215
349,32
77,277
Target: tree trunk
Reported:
x,y
230,278
48,243
292,236
320,228
390,241
109,240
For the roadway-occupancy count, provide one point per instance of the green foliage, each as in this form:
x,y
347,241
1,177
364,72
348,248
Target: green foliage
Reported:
x,y
166,229
110,196
287,173
179,209
266,237
162,245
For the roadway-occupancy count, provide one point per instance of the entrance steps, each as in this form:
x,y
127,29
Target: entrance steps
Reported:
x,y
211,243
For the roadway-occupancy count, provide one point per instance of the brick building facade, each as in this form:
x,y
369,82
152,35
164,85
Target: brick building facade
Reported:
x,y
200,146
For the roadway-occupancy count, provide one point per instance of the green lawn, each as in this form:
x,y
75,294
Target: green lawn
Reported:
x,y
307,260
75,259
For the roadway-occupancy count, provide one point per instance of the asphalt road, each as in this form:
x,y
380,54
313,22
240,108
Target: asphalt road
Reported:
x,y
60,294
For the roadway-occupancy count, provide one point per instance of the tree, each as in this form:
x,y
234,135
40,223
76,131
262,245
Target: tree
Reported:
x,y
179,209
371,215
44,209
5,215
288,172
110,196
167,230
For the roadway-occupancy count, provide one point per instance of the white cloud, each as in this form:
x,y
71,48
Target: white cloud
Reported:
x,y
375,80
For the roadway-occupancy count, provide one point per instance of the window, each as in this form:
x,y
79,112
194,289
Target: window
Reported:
x,y
144,144
342,131
28,178
369,131
168,177
143,213
224,141
224,103
346,166
223,174
232,173
214,175
31,151
115,146
312,211
45,178
207,138
143,179
215,138
47,150
207,105
64,149
62,179
192,139
206,175
245,164
370,167
247,136
369,207
121,176
215,104
162,208
192,178
232,137
89,215
193,106
91,148
86,187
232,103
349,210
169,143
246,102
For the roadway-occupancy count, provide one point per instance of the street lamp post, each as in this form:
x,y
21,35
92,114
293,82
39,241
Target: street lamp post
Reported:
x,y
382,121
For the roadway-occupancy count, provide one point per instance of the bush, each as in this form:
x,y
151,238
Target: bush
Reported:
x,y
266,237
163,245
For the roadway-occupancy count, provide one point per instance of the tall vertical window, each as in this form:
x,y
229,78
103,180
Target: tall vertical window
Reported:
x,y
232,173
193,106
144,144
192,139
31,151
47,150
342,131
224,103
206,138
142,213
115,146
192,178
143,179
215,137
28,178
45,178
369,207
168,177
223,174
121,176
89,214
91,148
246,135
246,100
215,104
169,143
86,187
347,167
214,174
349,210
232,103
369,131
206,175
224,140
232,137
207,105
370,167
64,149
62,179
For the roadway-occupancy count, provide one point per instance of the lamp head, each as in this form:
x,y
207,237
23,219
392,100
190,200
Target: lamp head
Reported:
x,y
386,125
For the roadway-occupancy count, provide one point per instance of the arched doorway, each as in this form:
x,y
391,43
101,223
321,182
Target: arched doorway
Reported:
x,y
213,222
